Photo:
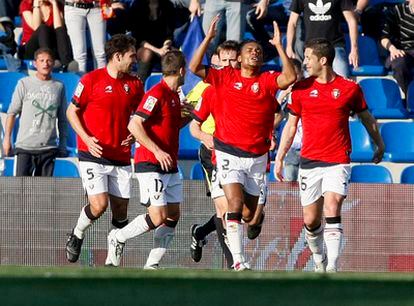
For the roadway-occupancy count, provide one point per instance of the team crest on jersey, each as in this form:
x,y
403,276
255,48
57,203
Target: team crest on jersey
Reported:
x,y
255,87
126,88
335,93
150,103
314,93
108,89
238,85
79,90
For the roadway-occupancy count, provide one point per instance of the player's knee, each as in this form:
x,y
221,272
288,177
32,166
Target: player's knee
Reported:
x,y
158,217
311,222
235,203
97,208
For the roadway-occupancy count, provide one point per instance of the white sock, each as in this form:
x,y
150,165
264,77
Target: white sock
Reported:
x,y
82,225
163,236
333,240
137,227
235,239
315,242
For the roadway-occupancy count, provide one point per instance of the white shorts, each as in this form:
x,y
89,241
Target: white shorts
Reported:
x,y
217,191
98,178
313,183
248,171
160,189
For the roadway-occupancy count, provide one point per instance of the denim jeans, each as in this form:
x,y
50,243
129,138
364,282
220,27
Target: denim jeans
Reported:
x,y
235,19
76,20
340,63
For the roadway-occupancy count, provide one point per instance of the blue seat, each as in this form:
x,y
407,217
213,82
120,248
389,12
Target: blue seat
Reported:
x,y
152,80
8,82
197,172
188,145
410,98
9,166
399,141
369,60
272,177
71,81
65,168
383,98
362,148
407,176
370,174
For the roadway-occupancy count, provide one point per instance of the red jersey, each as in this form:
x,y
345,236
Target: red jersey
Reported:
x,y
205,105
161,110
324,110
246,108
106,105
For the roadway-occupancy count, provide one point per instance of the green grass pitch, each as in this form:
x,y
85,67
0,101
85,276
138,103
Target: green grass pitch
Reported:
x,y
61,286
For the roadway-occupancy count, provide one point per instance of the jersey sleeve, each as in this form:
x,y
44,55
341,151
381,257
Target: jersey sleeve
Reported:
x,y
203,108
359,104
296,7
149,104
294,105
346,5
82,92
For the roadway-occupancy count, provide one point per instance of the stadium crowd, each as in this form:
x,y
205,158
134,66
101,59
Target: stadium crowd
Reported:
x,y
302,52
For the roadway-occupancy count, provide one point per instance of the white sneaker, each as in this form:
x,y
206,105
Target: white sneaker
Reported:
x,y
331,270
115,249
241,266
152,267
320,267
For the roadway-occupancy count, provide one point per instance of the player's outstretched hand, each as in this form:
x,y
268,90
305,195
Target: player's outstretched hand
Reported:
x,y
278,170
277,37
164,159
93,147
128,141
212,30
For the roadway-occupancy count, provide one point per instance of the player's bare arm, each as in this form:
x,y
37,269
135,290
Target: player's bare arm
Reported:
x,y
372,128
205,138
72,113
196,65
353,35
288,75
285,142
8,128
136,127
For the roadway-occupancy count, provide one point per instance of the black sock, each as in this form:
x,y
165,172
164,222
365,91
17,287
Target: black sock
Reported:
x,y
205,229
220,236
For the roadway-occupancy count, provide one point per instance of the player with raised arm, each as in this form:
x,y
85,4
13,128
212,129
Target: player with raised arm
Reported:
x,y
324,102
241,140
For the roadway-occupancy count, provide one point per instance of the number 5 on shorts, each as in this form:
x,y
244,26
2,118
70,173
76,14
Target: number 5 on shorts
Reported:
x,y
303,185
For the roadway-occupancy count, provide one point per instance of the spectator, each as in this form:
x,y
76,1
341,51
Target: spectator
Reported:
x,y
322,20
39,101
152,25
8,10
398,39
80,14
118,24
233,14
43,27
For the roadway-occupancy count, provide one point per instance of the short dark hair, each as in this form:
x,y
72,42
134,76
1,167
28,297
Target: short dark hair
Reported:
x,y
322,47
121,43
171,62
248,41
44,50
228,45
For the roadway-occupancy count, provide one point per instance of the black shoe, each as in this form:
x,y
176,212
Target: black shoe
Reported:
x,y
196,248
73,247
254,230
